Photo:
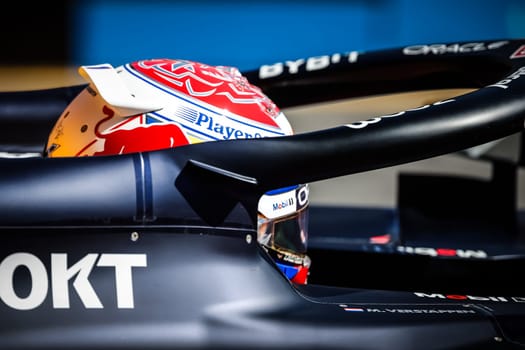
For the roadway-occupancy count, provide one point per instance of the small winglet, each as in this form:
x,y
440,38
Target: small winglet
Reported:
x,y
105,79
213,192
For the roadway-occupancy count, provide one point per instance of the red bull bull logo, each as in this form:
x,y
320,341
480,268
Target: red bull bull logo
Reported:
x,y
139,139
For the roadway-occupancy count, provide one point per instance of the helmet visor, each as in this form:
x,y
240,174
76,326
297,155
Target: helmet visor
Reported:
x,y
283,219
291,233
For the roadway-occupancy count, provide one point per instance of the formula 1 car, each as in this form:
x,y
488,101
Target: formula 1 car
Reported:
x,y
159,250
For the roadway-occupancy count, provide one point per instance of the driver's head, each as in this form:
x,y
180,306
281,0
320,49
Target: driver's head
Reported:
x,y
163,103
283,230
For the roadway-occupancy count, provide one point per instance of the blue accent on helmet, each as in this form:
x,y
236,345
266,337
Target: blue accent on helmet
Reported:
x,y
289,271
282,190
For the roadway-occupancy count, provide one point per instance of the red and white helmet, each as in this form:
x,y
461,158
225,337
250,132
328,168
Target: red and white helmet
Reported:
x,y
161,103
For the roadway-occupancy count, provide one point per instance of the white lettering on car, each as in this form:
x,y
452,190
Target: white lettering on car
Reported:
x,y
311,64
440,49
504,84
461,297
443,252
363,123
61,273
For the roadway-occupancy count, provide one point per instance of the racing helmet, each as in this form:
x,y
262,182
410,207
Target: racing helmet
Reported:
x,y
161,103
283,230
155,104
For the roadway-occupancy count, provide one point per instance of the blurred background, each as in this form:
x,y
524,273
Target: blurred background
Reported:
x,y
42,43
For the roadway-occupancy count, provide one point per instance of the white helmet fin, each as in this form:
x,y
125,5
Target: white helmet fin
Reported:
x,y
105,79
